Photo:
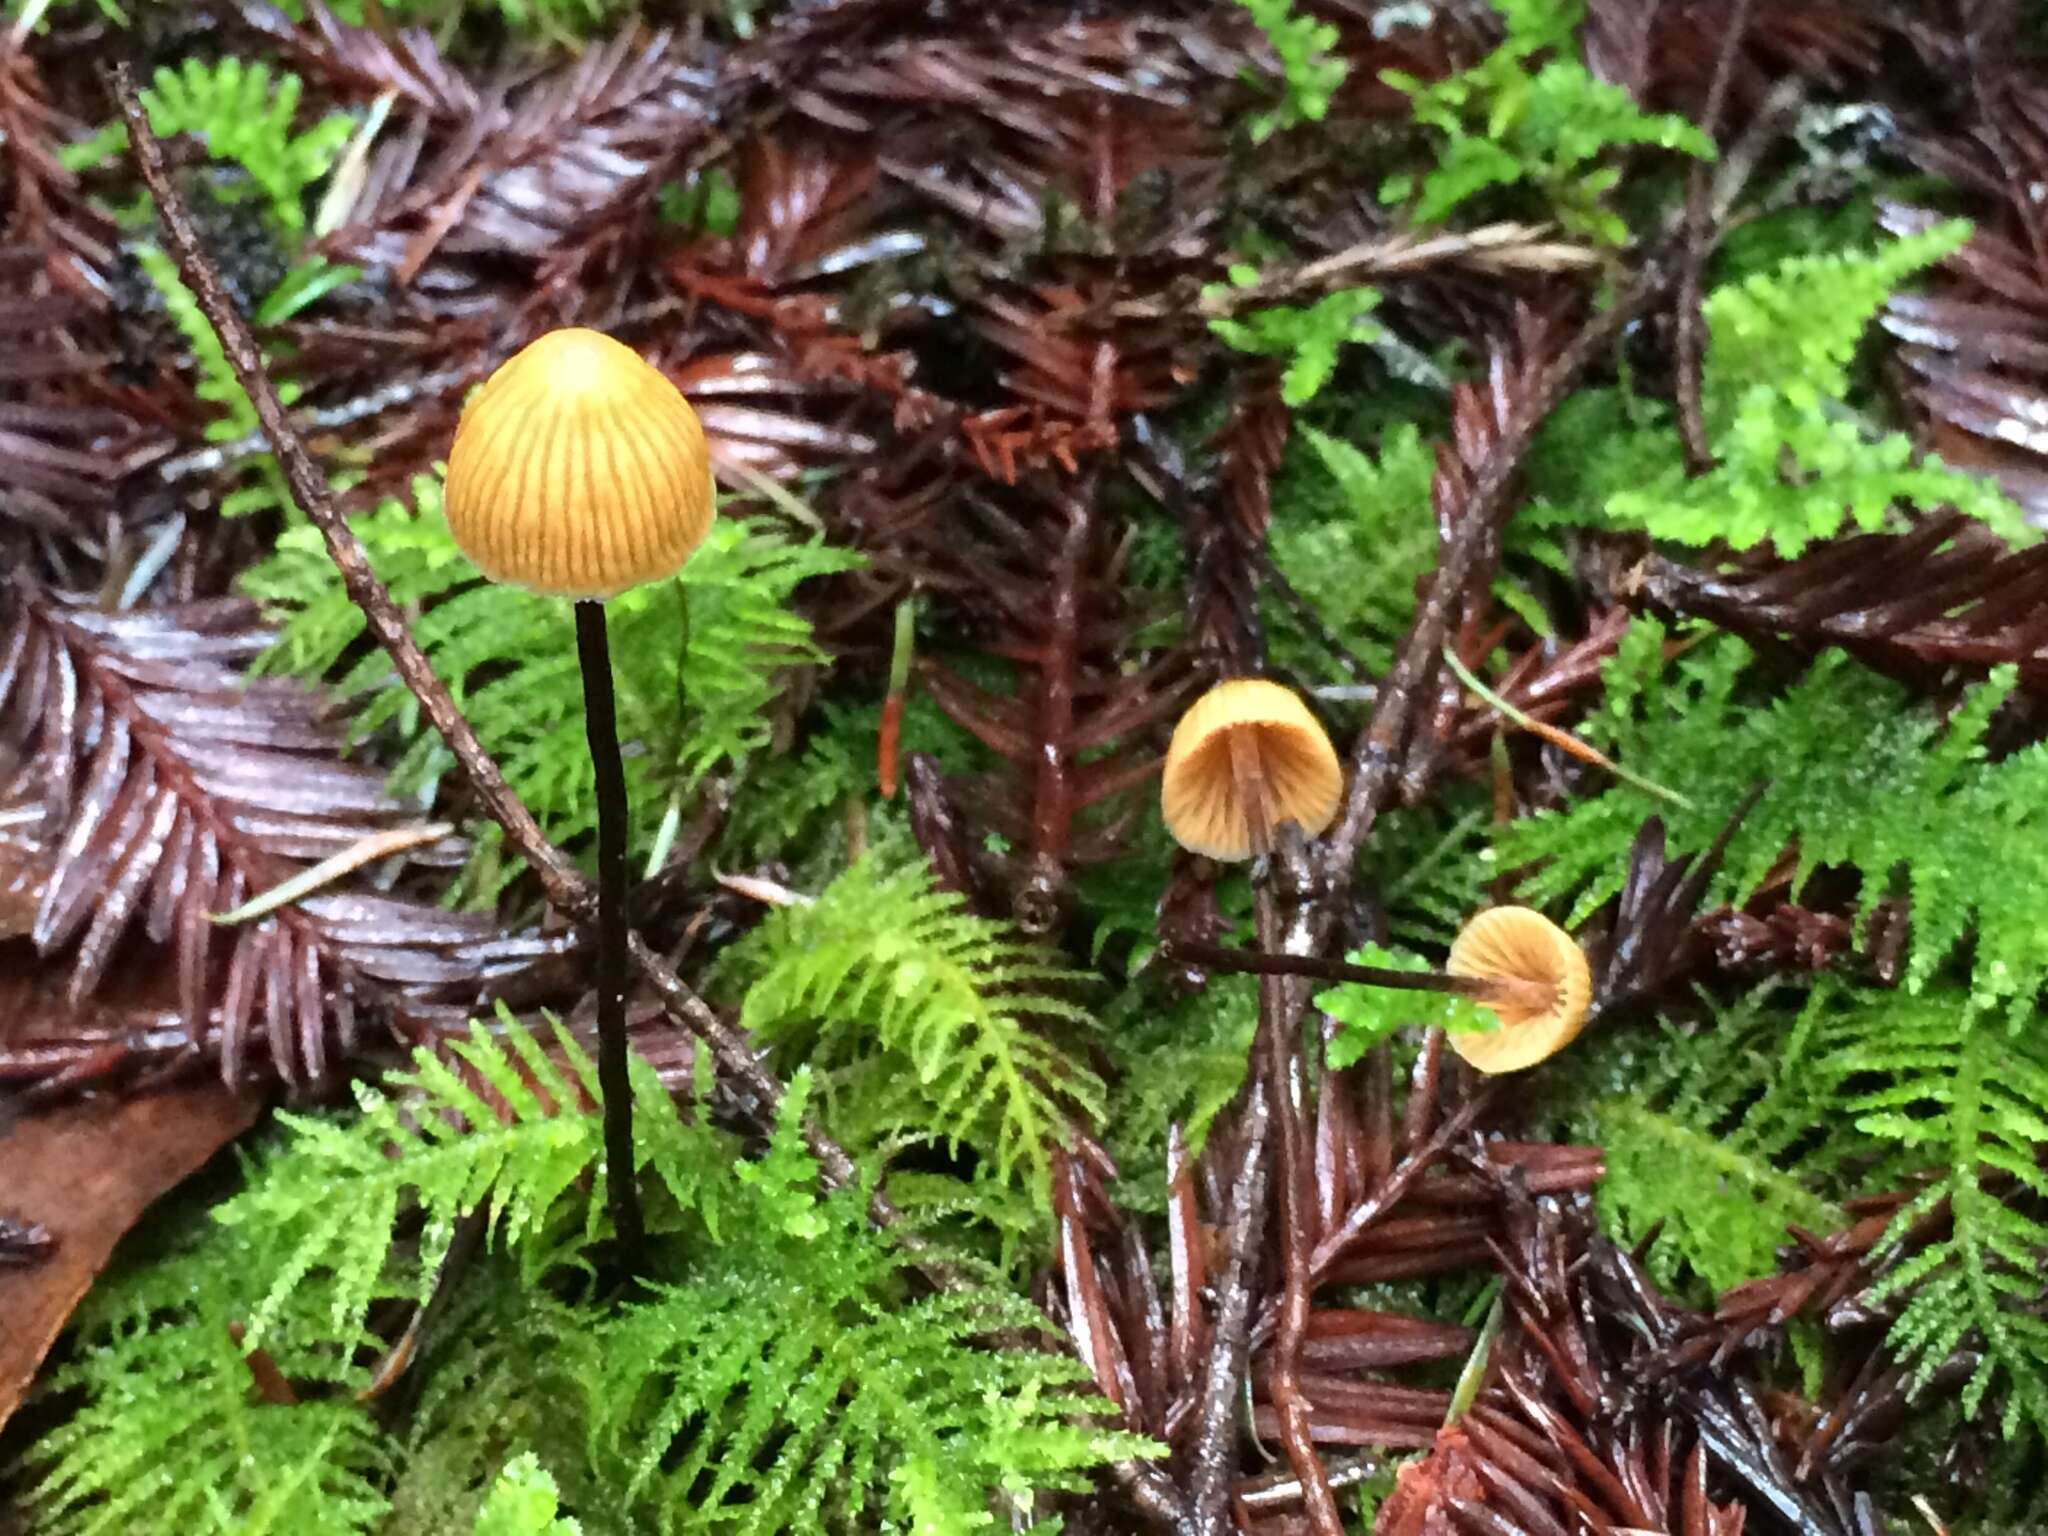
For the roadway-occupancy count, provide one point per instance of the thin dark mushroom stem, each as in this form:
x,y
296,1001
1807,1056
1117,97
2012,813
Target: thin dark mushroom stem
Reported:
x,y
600,715
1484,989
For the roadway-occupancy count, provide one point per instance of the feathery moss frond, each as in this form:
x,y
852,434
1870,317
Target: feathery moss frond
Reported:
x,y
1860,775
1312,73
1793,462
1367,1015
1703,1144
789,1386
524,1502
509,658
166,1436
1531,113
1309,336
1948,1086
787,1376
431,1142
244,116
1179,1063
1356,534
927,1021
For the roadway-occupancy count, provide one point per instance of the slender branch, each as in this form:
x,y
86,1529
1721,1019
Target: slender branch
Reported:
x,y
1377,762
1280,1052
563,885
1214,1459
1699,230
600,718
1391,1191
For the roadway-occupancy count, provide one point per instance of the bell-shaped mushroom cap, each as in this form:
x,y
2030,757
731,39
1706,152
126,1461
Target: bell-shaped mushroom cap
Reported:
x,y
1516,944
1251,723
578,470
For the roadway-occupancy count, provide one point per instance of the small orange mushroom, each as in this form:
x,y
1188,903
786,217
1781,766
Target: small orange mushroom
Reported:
x,y
1541,987
1246,757
1512,961
578,470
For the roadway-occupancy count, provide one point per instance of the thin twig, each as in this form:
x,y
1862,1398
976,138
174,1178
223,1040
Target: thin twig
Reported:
x,y
1378,759
1492,248
365,850
561,882
1280,1051
1390,1192
1214,1460
1699,229
1562,739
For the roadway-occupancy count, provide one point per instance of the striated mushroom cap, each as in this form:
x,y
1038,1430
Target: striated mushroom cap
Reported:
x,y
1516,944
1246,750
578,470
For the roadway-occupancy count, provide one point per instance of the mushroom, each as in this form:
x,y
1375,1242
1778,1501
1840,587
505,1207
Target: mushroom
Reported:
x,y
579,470
1246,757
1512,961
1541,987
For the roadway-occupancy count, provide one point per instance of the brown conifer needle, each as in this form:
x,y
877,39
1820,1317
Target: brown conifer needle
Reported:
x,y
1563,740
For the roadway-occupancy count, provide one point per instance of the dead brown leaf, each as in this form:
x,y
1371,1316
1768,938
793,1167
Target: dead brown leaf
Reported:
x,y
86,1172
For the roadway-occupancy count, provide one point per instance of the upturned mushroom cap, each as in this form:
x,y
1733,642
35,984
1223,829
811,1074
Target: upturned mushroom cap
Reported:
x,y
1518,944
578,470
1247,721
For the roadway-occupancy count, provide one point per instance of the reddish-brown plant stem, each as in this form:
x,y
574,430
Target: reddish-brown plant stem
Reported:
x,y
1280,1060
272,1385
1692,426
1052,796
1382,752
1213,1458
561,882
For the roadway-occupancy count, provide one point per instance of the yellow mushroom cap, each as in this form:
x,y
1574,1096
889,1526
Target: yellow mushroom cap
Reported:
x,y
1201,797
1518,944
578,470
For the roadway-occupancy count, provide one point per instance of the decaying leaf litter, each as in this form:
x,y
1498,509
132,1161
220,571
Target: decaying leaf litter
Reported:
x,y
1614,426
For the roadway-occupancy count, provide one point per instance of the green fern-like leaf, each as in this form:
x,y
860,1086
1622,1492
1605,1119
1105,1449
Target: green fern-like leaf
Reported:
x,y
524,1502
927,1021
1959,1090
1793,463
1522,116
1935,1082
509,658
789,1386
1308,336
1367,1015
166,1436
1312,74
245,115
1716,1144
518,1162
1860,776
